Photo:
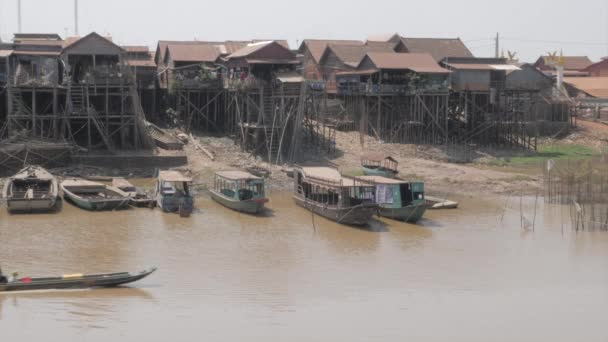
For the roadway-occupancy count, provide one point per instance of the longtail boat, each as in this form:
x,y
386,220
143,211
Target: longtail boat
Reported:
x,y
240,191
32,189
324,191
379,164
173,193
94,196
398,199
74,281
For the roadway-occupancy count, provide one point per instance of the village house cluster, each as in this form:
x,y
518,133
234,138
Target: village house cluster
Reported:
x,y
90,93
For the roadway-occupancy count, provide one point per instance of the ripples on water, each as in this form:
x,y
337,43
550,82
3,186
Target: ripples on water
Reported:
x,y
461,275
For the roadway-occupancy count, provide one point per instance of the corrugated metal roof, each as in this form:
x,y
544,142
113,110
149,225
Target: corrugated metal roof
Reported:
x,y
40,42
418,62
173,176
594,86
136,49
193,53
577,63
439,48
317,46
471,66
37,53
69,41
384,37
249,49
352,55
42,36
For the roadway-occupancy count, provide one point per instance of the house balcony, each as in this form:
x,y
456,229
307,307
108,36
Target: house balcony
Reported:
x,y
389,89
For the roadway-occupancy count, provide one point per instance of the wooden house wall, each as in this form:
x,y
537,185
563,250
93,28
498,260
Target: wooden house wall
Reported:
x,y
529,78
311,69
330,64
474,80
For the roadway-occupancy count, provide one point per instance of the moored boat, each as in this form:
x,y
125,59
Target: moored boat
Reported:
x,y
379,164
74,281
173,193
324,191
240,191
32,189
398,199
138,197
94,196
438,203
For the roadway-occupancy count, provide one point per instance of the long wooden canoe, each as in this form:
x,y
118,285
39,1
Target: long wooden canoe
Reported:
x,y
75,281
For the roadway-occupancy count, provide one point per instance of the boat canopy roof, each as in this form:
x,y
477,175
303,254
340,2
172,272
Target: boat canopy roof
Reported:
x,y
33,172
237,175
383,180
376,157
173,176
331,177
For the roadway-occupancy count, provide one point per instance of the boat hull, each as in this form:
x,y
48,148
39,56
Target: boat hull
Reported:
x,y
411,214
435,203
254,206
355,216
102,280
31,206
378,172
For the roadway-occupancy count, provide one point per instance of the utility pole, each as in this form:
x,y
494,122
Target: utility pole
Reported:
x,y
76,18
19,16
497,53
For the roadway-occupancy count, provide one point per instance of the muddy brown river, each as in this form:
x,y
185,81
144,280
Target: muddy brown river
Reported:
x,y
462,275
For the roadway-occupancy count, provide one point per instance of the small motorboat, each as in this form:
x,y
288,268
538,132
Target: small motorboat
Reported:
x,y
398,199
33,189
379,164
139,198
74,281
435,203
94,196
240,191
173,193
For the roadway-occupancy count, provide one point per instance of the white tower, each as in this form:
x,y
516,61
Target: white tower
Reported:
x,y
19,16
76,18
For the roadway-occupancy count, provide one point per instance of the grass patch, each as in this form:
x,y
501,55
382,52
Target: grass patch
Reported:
x,y
555,152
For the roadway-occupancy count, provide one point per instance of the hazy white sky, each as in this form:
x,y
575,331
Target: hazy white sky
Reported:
x,y
530,27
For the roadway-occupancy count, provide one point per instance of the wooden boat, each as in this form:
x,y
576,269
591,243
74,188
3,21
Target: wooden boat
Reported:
x,y
32,189
324,191
94,196
399,199
74,281
173,193
138,197
240,191
259,171
163,139
379,164
438,203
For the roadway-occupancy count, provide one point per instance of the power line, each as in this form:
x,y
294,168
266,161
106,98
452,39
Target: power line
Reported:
x,y
555,42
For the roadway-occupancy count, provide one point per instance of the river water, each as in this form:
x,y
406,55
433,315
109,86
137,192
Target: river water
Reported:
x,y
471,274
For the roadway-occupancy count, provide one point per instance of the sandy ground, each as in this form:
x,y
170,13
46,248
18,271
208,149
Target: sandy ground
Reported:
x,y
416,162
